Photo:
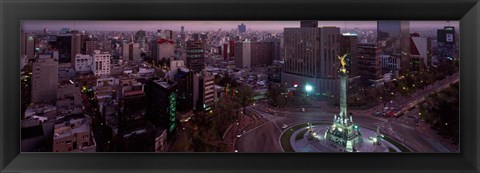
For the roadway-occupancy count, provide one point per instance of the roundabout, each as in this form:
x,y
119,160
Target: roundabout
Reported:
x,y
310,137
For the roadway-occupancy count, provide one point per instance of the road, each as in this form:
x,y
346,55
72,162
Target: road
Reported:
x,y
264,134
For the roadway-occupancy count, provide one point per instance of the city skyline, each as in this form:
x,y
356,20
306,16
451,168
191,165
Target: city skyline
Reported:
x,y
244,89
34,25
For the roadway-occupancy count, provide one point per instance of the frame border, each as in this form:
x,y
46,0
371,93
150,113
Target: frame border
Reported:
x,y
12,12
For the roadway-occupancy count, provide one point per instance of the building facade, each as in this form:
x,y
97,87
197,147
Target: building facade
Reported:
x,y
44,79
101,63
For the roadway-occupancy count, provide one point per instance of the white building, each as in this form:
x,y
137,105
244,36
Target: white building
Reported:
x,y
419,50
83,63
243,54
101,63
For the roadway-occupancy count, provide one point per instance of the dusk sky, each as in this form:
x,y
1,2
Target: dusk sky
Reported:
x,y
205,25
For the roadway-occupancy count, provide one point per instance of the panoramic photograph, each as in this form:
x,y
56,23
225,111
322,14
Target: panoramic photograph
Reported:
x,y
388,86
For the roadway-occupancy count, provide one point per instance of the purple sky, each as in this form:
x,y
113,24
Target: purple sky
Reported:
x,y
203,25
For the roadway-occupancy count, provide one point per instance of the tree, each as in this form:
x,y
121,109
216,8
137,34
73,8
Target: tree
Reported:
x,y
244,96
276,95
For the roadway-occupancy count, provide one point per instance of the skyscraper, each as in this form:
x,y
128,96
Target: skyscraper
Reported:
x,y
195,56
393,37
44,79
349,44
369,64
310,55
243,55
242,28
446,43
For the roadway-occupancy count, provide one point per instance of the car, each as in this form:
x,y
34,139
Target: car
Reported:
x,y
284,126
303,109
239,135
377,114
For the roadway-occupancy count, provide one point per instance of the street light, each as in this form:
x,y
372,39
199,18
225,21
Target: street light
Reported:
x,y
308,88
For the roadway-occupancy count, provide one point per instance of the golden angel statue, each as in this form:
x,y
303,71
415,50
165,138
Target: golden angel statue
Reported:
x,y
342,60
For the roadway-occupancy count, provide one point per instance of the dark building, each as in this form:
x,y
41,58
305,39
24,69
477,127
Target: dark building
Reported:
x,y
446,43
64,46
184,79
242,28
309,23
132,104
195,56
348,45
369,64
276,47
262,53
162,105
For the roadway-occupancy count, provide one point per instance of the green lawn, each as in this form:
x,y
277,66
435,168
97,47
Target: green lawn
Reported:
x,y
285,138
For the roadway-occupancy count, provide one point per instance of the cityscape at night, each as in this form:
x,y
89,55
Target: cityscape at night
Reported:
x,y
240,86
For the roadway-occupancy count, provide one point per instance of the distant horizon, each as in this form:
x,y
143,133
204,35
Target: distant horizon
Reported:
x,y
198,26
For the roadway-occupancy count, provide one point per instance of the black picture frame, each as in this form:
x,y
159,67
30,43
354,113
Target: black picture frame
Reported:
x,y
14,11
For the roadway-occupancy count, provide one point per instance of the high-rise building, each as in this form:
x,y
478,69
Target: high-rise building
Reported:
x,y
162,96
242,28
309,24
446,40
184,78
44,79
243,55
101,62
349,44
140,37
28,45
131,51
393,37
418,52
90,46
262,53
165,49
228,50
276,47
310,58
204,91
195,56
369,64
64,46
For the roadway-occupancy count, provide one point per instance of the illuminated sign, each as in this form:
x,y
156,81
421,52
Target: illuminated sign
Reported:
x,y
449,37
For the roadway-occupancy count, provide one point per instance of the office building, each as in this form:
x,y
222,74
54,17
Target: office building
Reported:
x,y
204,91
446,44
44,79
162,105
418,52
165,49
184,79
311,58
369,64
131,51
242,28
195,56
243,55
349,44
393,37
